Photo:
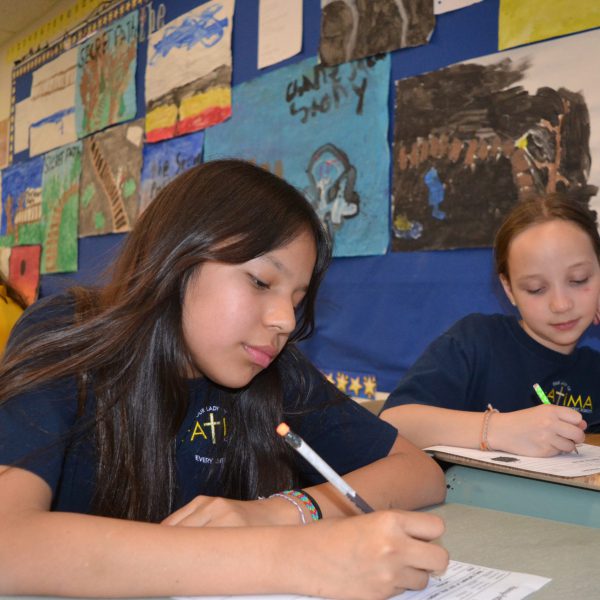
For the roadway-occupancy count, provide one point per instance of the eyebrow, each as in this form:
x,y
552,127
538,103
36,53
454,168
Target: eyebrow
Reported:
x,y
582,263
281,267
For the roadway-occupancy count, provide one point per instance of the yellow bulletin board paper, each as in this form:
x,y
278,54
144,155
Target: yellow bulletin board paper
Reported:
x,y
522,22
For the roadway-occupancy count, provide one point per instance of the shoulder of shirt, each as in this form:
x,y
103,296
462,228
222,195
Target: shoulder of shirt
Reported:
x,y
479,322
588,352
57,308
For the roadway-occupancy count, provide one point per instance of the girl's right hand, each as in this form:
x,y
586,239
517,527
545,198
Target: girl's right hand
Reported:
x,y
545,430
373,556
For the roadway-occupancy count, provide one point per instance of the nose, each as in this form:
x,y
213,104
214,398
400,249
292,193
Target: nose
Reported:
x,y
560,301
281,315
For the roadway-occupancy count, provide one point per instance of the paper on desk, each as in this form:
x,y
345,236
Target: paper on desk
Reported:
x,y
472,582
587,462
460,581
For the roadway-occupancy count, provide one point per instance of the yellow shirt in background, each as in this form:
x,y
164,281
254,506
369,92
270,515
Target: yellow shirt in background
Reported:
x,y
9,313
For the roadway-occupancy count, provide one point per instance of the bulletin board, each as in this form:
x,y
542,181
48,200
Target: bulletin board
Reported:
x,y
411,278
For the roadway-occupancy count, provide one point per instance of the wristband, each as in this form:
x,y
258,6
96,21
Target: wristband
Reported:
x,y
489,411
315,504
308,501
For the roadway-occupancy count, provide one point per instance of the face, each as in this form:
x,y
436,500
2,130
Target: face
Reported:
x,y
238,317
554,282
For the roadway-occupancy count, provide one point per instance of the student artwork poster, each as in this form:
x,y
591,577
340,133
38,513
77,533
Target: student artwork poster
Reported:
x,y
472,139
165,160
110,179
60,208
105,78
22,202
324,129
188,72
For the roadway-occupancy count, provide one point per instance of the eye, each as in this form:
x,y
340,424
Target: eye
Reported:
x,y
582,281
258,283
535,291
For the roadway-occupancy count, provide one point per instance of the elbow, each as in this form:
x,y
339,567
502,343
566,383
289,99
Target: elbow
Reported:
x,y
433,482
438,487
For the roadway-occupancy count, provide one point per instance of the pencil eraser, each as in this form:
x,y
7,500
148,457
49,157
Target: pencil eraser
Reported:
x,y
283,429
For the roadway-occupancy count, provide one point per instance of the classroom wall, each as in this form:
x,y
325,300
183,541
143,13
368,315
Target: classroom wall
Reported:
x,y
376,313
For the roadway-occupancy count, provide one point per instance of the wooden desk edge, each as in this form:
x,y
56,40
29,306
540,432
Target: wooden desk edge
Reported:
x,y
588,482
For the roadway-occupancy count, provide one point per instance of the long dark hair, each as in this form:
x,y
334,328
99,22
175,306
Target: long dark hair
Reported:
x,y
538,209
127,341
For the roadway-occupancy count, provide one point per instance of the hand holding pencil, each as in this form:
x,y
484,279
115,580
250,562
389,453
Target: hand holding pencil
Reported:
x,y
542,430
544,400
398,541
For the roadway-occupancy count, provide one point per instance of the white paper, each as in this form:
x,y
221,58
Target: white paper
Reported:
x,y
52,109
279,30
22,122
587,462
466,581
461,580
442,6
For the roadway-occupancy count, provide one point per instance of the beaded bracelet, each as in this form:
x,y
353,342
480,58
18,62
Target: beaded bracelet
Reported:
x,y
308,501
290,499
315,504
489,411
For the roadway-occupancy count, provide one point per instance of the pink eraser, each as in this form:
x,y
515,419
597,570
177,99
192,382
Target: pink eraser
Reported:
x,y
283,429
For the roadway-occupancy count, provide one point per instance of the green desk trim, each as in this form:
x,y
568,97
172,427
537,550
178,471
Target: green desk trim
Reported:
x,y
523,496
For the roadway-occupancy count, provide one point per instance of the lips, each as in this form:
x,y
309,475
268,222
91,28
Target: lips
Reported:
x,y
261,355
566,326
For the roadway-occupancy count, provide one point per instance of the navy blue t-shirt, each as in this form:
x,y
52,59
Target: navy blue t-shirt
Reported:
x,y
485,359
40,431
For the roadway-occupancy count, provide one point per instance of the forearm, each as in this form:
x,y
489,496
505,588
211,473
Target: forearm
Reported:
x,y
407,478
431,426
369,557
78,555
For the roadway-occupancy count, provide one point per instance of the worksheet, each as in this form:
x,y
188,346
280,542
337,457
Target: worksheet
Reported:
x,y
586,462
460,581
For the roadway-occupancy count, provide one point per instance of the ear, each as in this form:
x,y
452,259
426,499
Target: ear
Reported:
x,y
507,289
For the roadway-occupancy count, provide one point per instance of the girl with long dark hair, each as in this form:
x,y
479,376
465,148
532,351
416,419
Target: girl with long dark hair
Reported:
x,y
137,420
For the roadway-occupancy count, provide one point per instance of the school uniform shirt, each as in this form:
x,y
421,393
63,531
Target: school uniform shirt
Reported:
x,y
37,433
490,359
10,312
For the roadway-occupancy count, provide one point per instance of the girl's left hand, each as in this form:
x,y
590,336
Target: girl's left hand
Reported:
x,y
209,511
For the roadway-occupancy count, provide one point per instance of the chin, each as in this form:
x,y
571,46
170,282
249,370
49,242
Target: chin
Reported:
x,y
235,383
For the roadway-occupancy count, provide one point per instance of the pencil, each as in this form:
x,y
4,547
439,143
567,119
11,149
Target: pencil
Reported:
x,y
544,400
540,392
298,444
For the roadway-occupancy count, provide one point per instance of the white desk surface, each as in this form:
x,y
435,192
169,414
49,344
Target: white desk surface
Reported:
x,y
564,552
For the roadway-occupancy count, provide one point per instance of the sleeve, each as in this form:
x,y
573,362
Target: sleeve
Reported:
x,y
35,429
35,426
442,376
346,435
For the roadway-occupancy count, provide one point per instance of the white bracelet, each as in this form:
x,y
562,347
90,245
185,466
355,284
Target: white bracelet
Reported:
x,y
296,504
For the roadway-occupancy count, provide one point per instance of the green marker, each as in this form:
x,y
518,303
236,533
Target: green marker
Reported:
x,y
540,392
